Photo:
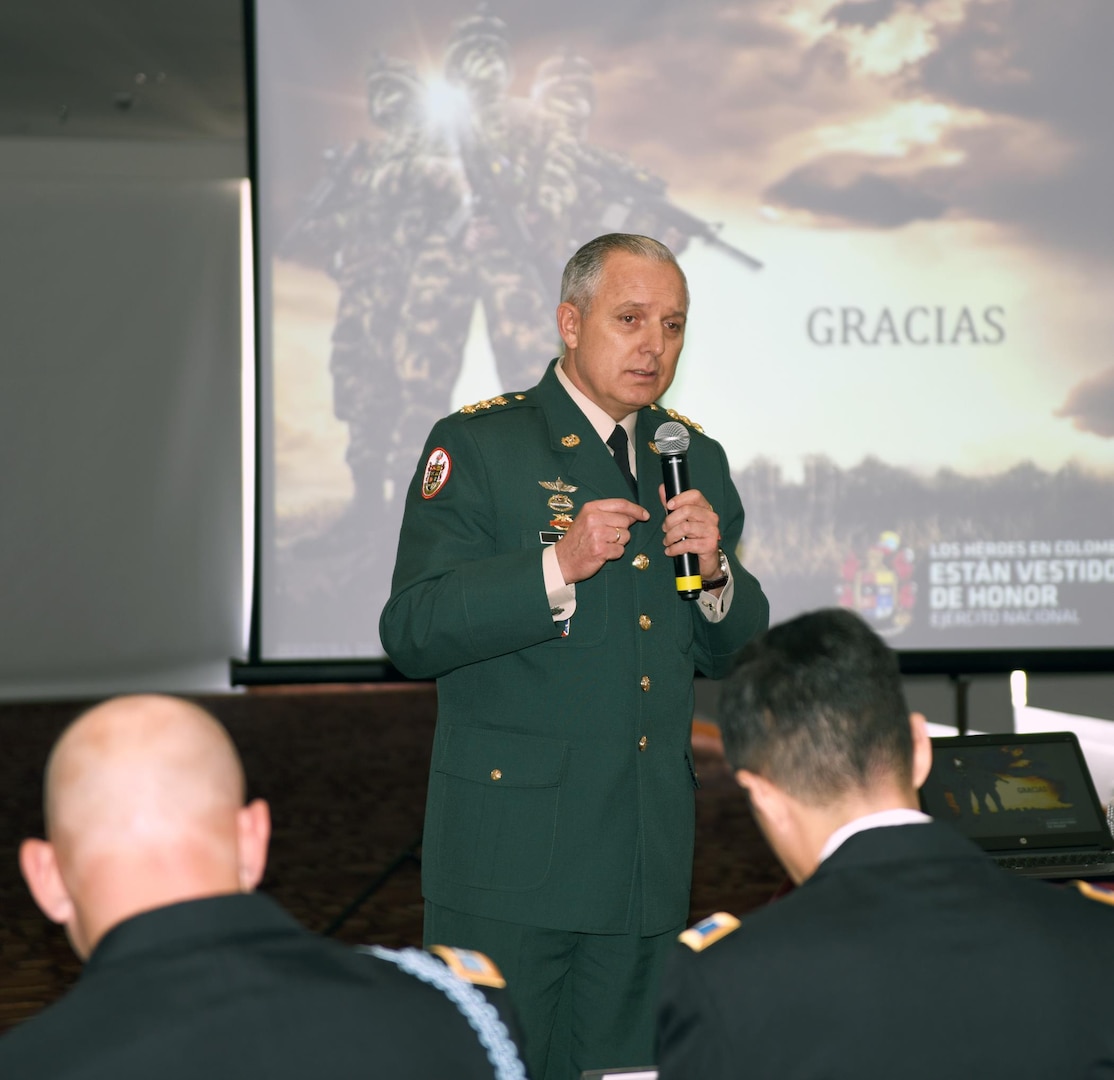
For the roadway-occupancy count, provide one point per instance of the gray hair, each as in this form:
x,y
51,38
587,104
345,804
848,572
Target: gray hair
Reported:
x,y
582,273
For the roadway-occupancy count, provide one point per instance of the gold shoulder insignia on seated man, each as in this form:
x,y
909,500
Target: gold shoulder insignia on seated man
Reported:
x,y
470,965
709,930
1103,893
684,420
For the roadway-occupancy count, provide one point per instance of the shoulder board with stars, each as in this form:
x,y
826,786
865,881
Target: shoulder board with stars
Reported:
x,y
1102,892
470,965
708,931
491,403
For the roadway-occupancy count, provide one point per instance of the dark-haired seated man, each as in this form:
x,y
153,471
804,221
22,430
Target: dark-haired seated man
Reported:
x,y
904,951
150,863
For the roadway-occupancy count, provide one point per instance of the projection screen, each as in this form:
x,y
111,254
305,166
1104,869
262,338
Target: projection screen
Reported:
x,y
895,221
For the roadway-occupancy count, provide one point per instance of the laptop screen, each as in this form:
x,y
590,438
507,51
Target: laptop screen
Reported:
x,y
1010,792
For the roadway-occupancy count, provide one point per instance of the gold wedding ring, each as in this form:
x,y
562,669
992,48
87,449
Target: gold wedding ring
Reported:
x,y
618,533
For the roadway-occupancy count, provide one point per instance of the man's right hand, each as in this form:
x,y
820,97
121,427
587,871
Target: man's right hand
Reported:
x,y
598,534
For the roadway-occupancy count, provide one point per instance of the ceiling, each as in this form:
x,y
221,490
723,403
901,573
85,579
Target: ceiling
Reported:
x,y
122,69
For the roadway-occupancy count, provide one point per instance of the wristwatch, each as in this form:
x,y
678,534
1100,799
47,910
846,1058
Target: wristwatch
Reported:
x,y
721,578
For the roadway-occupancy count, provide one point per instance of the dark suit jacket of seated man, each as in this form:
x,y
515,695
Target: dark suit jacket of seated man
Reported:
x,y
150,863
904,952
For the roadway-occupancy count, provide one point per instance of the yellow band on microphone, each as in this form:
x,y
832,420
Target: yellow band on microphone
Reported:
x,y
687,584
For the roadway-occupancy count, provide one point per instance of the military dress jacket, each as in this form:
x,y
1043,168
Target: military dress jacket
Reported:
x,y
907,954
233,988
561,775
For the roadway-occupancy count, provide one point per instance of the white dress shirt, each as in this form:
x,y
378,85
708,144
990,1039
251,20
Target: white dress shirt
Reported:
x,y
880,819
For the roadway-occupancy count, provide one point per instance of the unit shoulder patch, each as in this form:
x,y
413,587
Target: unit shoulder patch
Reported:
x,y
472,966
708,931
438,467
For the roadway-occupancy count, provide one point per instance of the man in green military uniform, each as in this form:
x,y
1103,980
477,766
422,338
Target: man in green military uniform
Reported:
x,y
535,581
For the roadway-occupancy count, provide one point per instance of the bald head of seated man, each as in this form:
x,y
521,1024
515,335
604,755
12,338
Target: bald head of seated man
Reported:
x,y
144,807
150,862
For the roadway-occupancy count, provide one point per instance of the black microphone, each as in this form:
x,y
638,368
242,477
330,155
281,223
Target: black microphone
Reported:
x,y
672,441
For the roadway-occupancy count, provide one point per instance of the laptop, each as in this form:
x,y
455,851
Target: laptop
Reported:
x,y
1027,799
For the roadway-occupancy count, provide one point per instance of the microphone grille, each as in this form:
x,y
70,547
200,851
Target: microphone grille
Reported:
x,y
672,438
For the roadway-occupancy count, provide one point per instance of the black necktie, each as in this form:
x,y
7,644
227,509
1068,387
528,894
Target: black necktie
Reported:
x,y
618,444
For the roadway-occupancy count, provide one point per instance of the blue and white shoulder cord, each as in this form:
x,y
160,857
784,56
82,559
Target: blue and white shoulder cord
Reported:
x,y
481,1015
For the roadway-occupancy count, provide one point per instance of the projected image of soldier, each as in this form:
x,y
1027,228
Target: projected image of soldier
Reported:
x,y
984,787
488,256
563,98
378,209
970,786
469,198
956,785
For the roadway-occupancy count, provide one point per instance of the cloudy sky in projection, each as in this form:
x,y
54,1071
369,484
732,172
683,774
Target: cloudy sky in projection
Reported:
x,y
956,152
879,155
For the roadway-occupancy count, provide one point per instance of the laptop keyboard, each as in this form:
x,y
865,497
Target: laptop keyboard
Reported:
x,y
1026,862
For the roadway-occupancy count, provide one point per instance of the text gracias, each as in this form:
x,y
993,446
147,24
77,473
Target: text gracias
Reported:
x,y
913,326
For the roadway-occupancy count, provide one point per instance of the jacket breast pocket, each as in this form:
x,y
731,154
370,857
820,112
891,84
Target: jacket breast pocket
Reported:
x,y
499,794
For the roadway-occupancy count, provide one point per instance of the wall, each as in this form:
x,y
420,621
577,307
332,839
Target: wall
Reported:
x,y
120,432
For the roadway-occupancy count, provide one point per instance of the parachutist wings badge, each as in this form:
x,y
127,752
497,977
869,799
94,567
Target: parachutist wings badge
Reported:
x,y
557,485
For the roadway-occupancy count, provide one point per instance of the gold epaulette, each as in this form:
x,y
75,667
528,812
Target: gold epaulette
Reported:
x,y
674,415
470,965
487,403
1104,894
708,931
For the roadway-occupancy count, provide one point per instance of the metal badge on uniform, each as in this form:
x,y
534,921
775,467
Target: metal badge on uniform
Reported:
x,y
562,506
709,930
437,468
570,440
470,965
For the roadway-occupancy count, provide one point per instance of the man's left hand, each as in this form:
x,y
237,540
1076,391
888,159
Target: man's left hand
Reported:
x,y
692,525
